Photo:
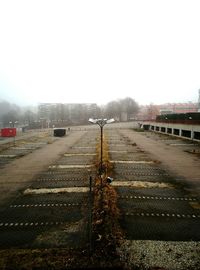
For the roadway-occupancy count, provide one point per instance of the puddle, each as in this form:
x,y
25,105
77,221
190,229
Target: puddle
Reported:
x,y
30,191
132,161
140,184
70,166
86,154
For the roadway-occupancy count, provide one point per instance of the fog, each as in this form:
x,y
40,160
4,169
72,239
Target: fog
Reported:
x,y
98,51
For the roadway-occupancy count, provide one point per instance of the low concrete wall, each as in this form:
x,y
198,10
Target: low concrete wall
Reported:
x,y
191,132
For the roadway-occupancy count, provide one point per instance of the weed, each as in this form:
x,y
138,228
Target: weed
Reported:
x,y
107,233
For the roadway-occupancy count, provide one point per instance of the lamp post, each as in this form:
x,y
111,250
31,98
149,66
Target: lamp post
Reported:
x,y
101,123
12,123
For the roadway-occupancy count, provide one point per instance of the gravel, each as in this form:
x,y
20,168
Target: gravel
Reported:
x,y
146,254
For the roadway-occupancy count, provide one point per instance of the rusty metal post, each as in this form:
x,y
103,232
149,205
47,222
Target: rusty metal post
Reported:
x,y
90,218
101,157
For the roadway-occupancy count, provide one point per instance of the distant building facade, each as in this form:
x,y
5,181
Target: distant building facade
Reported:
x,y
178,107
149,112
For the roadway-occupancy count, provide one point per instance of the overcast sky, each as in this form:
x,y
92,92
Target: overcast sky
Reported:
x,y
98,51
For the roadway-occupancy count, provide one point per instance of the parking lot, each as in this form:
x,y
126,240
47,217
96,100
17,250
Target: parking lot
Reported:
x,y
53,209
154,205
50,204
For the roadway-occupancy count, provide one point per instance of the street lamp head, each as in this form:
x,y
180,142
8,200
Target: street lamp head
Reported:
x,y
93,121
109,121
101,122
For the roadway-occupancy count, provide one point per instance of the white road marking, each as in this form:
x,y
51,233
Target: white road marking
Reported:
x,y
141,184
70,166
56,190
132,161
179,216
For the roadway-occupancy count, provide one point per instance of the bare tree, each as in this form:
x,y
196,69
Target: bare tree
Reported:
x,y
113,110
11,116
152,112
29,117
122,110
129,106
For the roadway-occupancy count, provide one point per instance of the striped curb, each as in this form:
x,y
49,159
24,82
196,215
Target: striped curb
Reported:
x,y
182,216
29,224
143,174
62,166
158,198
60,179
46,205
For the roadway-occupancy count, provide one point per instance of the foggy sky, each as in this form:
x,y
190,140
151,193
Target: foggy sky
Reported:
x,y
98,51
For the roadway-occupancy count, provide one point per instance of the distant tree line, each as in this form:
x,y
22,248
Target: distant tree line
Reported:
x,y
58,114
122,110
12,114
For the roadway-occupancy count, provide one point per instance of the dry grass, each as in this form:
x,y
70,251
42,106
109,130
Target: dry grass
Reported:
x,y
29,259
106,230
